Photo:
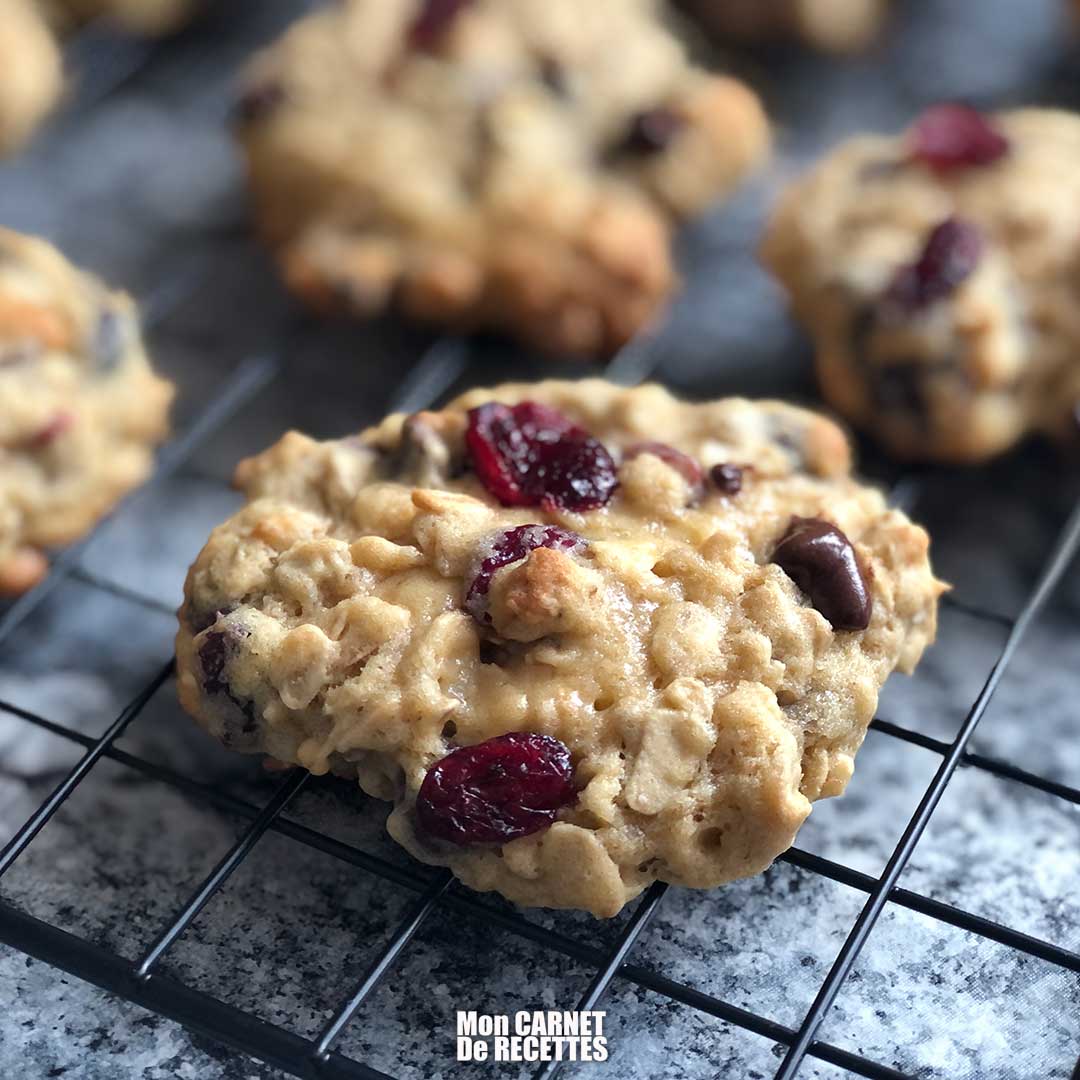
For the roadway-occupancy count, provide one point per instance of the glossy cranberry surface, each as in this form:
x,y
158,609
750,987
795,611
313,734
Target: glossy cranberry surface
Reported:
x,y
496,791
532,455
510,547
682,463
951,255
950,137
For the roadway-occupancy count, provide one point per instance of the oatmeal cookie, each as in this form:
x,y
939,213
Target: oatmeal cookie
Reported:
x,y
516,165
937,273
836,26
583,637
31,73
80,409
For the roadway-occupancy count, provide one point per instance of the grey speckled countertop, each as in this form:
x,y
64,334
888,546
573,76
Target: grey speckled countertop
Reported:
x,y
145,185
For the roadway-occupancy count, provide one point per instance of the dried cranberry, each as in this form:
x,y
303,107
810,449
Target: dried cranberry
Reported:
x,y
951,254
509,547
531,455
820,559
653,130
948,137
496,791
433,21
727,478
682,463
49,432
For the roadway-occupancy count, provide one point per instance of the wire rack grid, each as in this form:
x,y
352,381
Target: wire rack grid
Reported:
x,y
446,363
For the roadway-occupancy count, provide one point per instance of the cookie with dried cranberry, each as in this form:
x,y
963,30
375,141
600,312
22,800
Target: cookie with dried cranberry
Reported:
x,y
937,274
80,408
583,637
31,73
517,165
834,26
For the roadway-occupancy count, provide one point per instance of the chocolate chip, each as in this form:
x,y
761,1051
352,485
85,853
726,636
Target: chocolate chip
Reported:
x,y
256,103
819,558
727,478
653,130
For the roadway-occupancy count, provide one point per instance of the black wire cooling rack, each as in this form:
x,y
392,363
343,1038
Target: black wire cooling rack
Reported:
x,y
444,364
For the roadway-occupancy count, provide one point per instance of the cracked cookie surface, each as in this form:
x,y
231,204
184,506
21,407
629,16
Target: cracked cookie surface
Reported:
x,y
937,274
374,608
516,165
80,407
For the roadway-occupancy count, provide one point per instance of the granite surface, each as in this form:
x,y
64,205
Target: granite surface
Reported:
x,y
143,185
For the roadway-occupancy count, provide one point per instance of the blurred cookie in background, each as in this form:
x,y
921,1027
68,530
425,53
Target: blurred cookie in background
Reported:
x,y
31,73
149,17
517,165
80,408
837,26
936,272
31,65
